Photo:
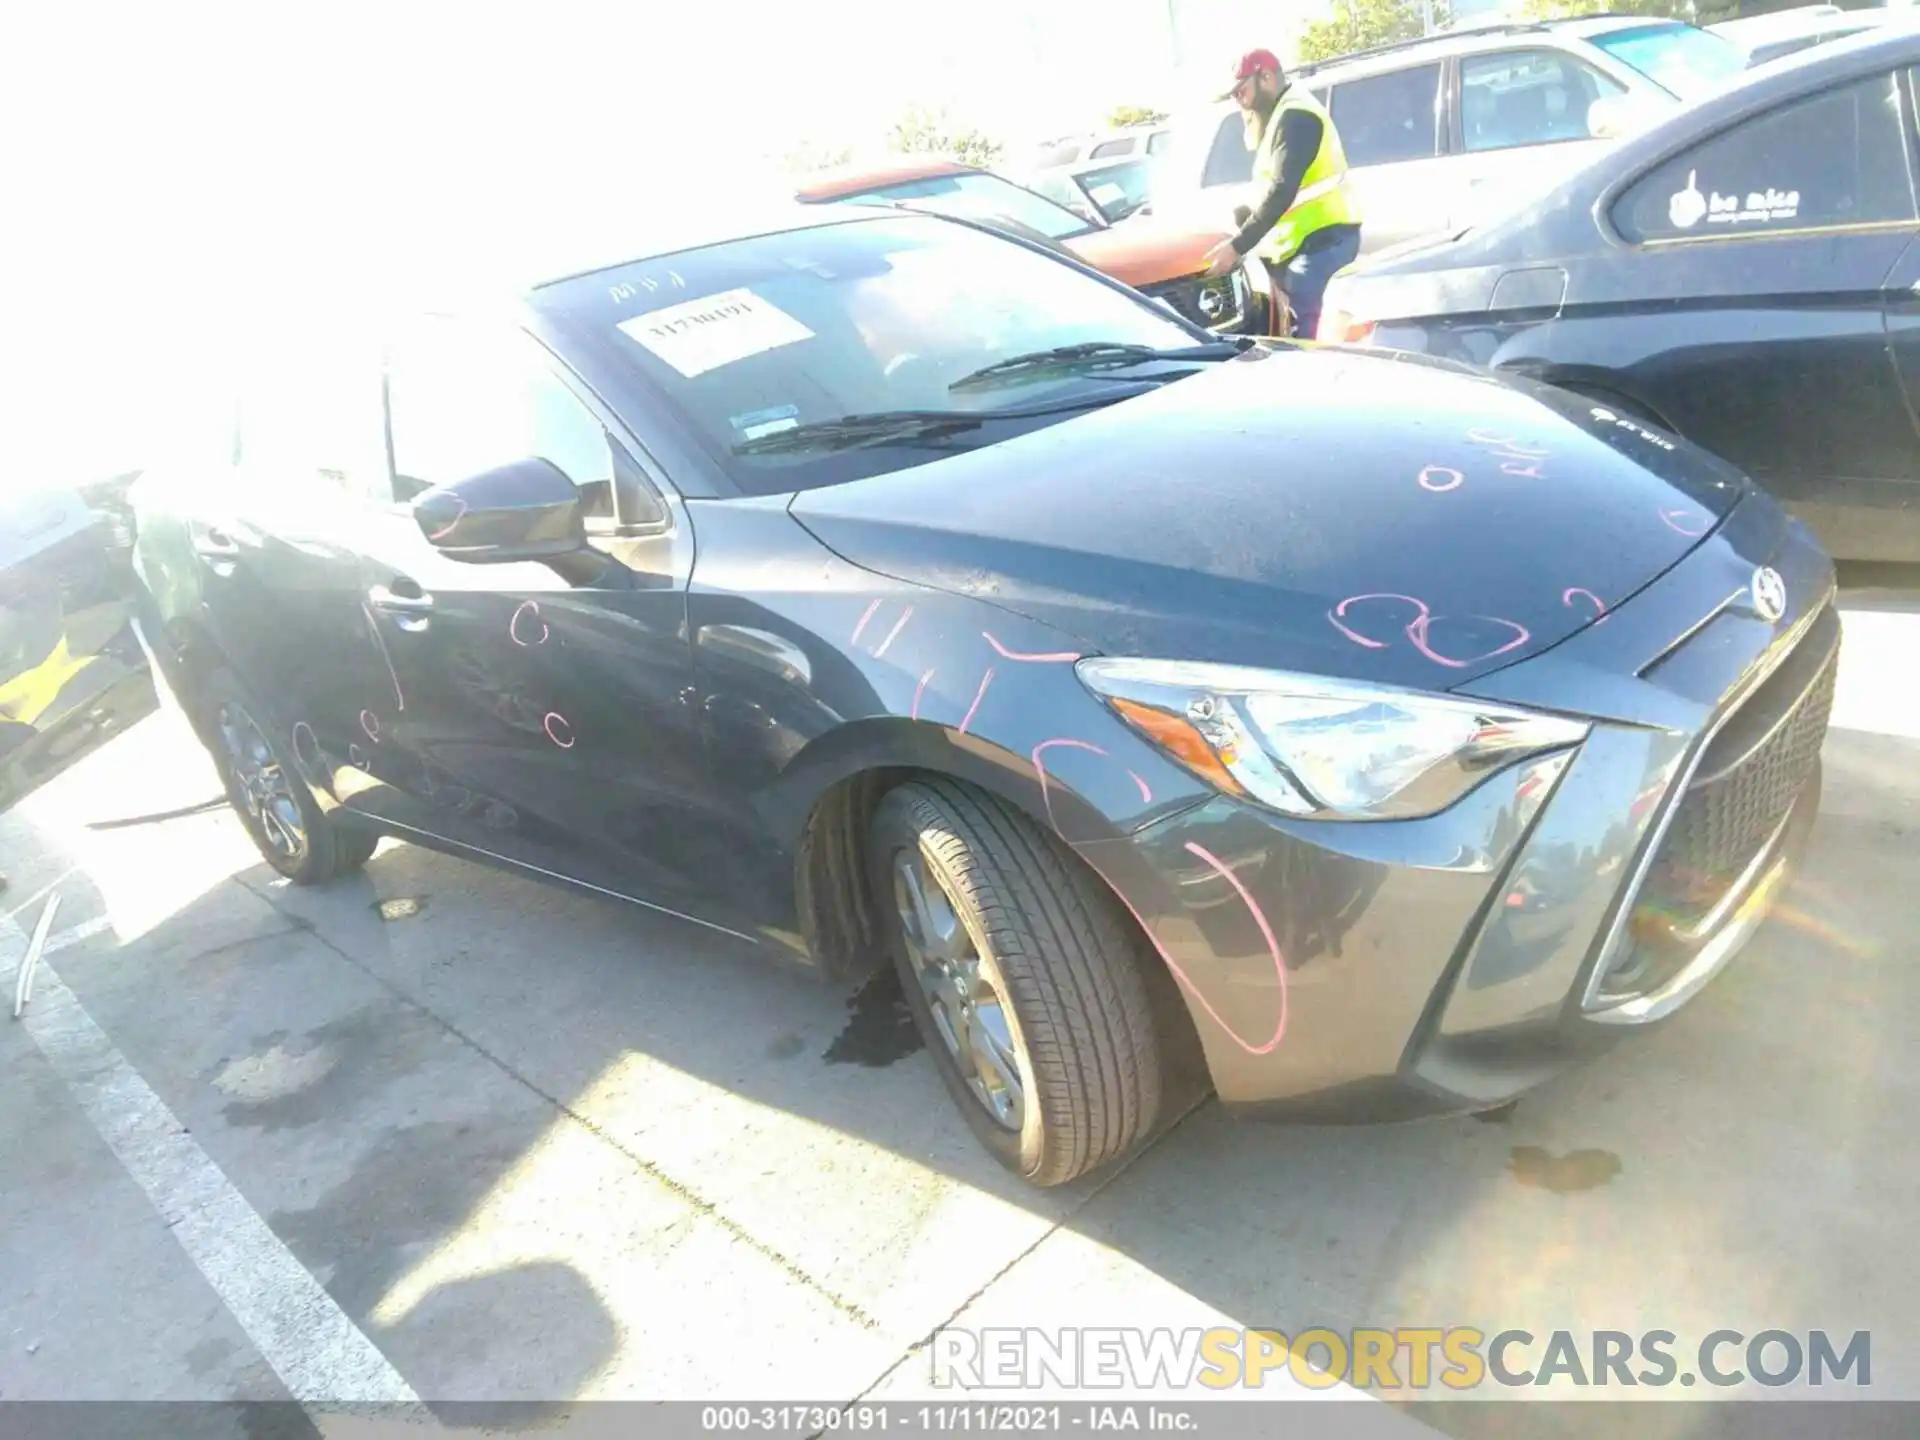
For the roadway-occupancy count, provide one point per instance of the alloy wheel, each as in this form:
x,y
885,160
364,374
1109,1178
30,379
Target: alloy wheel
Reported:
x,y
970,1014
261,782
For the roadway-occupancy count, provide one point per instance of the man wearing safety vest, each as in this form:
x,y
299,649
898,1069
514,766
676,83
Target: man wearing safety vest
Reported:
x,y
1306,223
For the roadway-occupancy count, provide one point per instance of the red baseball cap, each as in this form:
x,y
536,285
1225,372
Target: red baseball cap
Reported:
x,y
1251,64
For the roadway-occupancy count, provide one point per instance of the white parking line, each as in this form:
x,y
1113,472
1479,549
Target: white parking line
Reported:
x,y
319,1354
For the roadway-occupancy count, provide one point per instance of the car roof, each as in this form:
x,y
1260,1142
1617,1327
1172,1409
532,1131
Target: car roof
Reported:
x,y
1465,41
855,179
680,232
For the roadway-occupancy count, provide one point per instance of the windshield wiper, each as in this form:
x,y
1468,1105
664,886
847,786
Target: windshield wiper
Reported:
x,y
1092,355
901,427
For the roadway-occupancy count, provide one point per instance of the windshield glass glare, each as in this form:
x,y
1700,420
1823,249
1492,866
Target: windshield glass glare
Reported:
x,y
756,336
1679,58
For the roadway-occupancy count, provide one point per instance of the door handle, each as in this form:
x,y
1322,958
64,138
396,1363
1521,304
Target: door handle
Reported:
x,y
409,612
212,543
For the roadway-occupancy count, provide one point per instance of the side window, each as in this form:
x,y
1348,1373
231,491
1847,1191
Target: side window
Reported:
x,y
1108,148
1832,160
1229,161
312,409
1528,97
1385,118
1158,142
463,401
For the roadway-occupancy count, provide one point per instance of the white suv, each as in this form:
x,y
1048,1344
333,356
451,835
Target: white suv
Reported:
x,y
1440,132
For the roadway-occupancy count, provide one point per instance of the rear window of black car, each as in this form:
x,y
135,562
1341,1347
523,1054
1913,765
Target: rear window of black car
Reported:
x,y
1833,160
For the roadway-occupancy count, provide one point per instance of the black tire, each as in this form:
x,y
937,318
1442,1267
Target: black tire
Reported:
x,y
329,849
1061,958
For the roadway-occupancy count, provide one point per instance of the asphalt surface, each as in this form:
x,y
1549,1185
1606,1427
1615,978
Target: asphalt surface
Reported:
x,y
440,1132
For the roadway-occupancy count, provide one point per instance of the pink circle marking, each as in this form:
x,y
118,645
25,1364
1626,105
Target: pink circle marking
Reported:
x,y
447,529
370,725
527,607
1340,610
1418,629
547,724
1599,605
1427,482
1674,517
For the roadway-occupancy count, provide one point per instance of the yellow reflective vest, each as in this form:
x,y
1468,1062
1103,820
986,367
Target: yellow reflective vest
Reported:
x,y
1325,197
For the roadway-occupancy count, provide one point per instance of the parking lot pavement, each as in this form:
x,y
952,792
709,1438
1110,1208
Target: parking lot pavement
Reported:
x,y
537,1146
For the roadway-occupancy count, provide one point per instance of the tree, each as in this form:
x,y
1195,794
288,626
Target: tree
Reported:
x,y
1125,115
926,132
1363,24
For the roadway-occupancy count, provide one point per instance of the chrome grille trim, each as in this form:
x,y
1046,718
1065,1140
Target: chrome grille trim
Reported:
x,y
1730,705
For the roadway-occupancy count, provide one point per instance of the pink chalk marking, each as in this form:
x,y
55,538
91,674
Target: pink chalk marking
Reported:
x,y
370,725
1427,481
1674,517
1046,794
1599,605
447,529
1273,949
1354,635
898,626
978,696
1508,443
356,757
1530,469
373,626
548,723
1417,633
865,616
918,691
1053,657
527,607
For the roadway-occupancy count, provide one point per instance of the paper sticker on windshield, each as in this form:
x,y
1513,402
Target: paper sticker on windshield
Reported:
x,y
702,335
1686,208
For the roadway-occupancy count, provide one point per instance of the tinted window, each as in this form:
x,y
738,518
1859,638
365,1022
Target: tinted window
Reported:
x,y
778,331
464,400
1834,159
983,197
1390,117
1106,149
1528,97
1229,161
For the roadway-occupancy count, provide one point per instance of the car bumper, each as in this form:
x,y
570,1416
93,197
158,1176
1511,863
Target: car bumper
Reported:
x,y
1388,970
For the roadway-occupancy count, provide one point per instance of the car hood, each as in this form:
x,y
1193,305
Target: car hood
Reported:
x,y
1377,516
1144,251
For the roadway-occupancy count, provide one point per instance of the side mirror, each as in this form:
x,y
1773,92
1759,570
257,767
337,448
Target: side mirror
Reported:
x,y
526,510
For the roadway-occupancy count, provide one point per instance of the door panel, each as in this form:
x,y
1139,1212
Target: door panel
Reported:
x,y
547,720
1900,513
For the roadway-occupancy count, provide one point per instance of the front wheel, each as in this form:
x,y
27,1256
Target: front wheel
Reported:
x,y
267,792
1021,975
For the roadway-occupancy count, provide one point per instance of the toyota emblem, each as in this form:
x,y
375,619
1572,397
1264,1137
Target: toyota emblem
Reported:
x,y
1769,593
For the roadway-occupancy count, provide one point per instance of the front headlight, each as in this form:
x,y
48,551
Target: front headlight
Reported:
x,y
1325,749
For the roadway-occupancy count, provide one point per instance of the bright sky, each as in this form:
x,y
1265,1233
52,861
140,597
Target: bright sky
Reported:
x,y
171,165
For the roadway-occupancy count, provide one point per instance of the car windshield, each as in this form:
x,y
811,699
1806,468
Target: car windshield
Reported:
x,y
1120,189
863,319
975,196
1679,58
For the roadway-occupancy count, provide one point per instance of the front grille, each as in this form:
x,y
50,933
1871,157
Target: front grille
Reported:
x,y
1224,296
1748,780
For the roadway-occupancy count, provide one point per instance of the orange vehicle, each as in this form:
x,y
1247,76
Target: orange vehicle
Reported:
x,y
1159,259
